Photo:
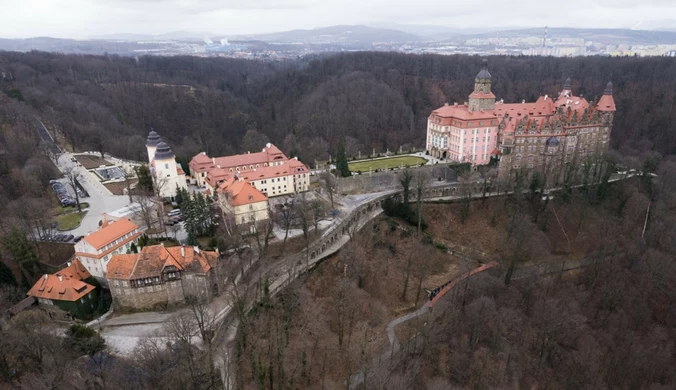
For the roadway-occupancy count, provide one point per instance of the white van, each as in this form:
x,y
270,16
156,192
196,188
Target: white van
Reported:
x,y
174,212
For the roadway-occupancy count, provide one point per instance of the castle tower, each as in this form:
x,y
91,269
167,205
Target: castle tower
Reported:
x,y
567,88
482,99
606,107
166,172
151,144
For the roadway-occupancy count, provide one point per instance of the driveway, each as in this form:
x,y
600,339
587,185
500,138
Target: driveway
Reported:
x,y
100,199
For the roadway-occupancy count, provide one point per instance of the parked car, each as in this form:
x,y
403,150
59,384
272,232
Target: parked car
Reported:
x,y
169,222
78,238
59,237
68,237
174,212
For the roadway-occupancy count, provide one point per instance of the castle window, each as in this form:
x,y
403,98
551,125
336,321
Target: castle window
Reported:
x,y
166,166
481,123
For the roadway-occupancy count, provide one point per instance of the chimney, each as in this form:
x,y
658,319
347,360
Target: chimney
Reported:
x,y
69,263
204,153
46,276
196,249
523,101
162,243
268,145
248,152
182,251
60,278
455,104
546,96
218,252
213,160
446,104
465,104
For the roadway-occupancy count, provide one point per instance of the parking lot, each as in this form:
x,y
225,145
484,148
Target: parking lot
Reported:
x,y
64,192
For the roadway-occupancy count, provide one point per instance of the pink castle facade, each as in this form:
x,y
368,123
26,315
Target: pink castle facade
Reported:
x,y
547,136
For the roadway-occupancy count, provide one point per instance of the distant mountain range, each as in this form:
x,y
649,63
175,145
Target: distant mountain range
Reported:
x,y
348,35
344,37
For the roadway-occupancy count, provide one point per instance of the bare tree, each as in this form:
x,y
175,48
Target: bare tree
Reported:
x,y
420,185
303,210
147,208
129,178
261,232
329,184
73,177
285,219
405,180
467,180
181,329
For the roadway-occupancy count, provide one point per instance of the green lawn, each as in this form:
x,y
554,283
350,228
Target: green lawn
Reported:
x,y
391,162
69,221
58,210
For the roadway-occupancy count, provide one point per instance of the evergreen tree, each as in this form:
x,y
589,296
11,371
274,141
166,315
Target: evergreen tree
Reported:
x,y
341,160
21,250
6,275
145,181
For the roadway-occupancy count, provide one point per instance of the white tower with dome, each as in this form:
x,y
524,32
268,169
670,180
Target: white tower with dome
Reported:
x,y
167,174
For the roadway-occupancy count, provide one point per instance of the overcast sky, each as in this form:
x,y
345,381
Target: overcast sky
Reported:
x,y
87,18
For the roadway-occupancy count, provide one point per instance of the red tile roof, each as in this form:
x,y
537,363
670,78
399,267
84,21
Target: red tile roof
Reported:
x,y
110,232
240,192
290,167
65,285
606,103
153,259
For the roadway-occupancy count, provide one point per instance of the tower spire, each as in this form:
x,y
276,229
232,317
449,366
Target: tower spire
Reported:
x,y
482,98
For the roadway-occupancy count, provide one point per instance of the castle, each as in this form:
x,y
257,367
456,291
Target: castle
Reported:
x,y
167,174
547,137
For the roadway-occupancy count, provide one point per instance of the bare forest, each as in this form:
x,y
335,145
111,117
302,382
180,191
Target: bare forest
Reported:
x,y
373,100
583,296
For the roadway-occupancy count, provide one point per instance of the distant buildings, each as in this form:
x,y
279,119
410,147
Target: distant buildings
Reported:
x,y
548,136
167,174
269,171
67,289
158,277
95,250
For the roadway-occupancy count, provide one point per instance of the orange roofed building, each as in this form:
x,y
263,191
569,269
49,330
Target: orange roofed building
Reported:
x,y
67,290
269,170
95,250
549,136
242,201
158,276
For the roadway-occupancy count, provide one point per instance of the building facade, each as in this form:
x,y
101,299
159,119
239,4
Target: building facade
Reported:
x,y
158,277
242,201
550,136
167,174
269,170
67,290
95,250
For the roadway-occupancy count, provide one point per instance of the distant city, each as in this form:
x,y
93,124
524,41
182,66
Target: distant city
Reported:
x,y
556,42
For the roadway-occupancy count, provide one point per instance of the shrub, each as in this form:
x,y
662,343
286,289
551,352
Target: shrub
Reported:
x,y
83,339
395,208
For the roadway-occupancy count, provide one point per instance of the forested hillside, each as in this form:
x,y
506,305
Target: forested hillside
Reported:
x,y
374,100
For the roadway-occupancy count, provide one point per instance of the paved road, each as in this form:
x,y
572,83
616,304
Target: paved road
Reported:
x,y
100,199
